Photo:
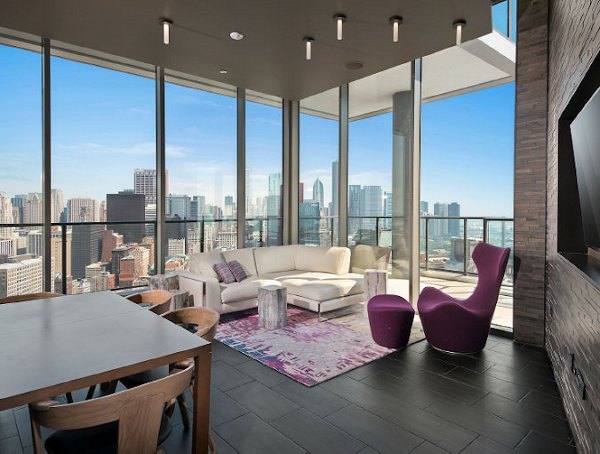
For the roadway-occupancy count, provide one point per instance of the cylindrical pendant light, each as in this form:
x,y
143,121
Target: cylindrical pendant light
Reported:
x,y
166,29
459,25
308,40
339,20
395,21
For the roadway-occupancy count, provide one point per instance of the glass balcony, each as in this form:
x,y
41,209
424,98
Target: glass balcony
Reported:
x,y
503,18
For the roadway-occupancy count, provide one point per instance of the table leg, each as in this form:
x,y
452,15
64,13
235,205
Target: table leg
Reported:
x,y
201,401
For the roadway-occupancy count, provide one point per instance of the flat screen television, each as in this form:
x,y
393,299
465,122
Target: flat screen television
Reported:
x,y
585,134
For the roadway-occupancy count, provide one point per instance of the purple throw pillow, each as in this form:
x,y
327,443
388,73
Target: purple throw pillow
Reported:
x,y
237,270
224,273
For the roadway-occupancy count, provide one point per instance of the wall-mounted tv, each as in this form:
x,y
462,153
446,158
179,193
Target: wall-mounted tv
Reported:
x,y
585,133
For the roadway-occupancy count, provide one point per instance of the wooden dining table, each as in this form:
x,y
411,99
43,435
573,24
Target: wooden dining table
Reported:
x,y
52,346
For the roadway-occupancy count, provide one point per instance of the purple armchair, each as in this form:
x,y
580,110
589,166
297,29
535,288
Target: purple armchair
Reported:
x,y
463,326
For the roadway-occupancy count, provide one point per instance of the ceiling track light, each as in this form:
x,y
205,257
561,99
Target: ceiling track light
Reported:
x,y
395,21
339,20
166,29
459,25
308,40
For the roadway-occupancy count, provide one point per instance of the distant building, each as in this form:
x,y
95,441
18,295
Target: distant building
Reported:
x,y
110,241
126,206
33,210
353,208
318,193
371,205
334,188
179,205
21,275
454,224
83,210
6,216
229,210
56,251
309,224
86,246
35,242
424,208
57,204
274,211
144,182
439,227
176,247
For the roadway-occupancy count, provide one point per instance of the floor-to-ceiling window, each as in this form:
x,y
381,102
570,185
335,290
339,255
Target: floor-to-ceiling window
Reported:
x,y
264,156
103,144
21,204
319,169
201,150
467,185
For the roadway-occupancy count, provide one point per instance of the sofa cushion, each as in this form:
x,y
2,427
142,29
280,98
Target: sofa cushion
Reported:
x,y
202,263
275,259
224,273
245,257
237,270
245,290
334,260
323,289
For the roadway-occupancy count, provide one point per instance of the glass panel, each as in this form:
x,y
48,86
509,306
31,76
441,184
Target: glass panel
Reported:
x,y
500,17
103,168
264,129
319,150
21,262
201,157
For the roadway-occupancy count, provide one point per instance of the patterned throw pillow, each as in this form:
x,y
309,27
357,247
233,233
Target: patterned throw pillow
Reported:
x,y
237,270
224,273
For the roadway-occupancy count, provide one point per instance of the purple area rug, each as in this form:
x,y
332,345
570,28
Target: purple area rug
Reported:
x,y
306,350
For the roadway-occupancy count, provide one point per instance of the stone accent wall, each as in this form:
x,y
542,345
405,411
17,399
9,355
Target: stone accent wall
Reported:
x,y
530,170
573,302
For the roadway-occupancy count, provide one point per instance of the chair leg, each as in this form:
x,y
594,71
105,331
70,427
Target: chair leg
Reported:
x,y
38,447
69,398
185,416
112,386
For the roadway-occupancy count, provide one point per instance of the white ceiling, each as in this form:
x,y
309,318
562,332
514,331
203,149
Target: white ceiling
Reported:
x,y
271,57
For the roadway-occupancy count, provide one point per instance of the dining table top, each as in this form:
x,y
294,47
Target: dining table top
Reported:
x,y
51,346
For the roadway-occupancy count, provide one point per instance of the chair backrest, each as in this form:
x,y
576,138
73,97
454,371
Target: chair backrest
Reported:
x,y
206,319
159,299
138,411
29,297
491,264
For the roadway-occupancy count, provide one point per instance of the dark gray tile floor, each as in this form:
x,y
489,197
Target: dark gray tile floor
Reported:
x,y
418,400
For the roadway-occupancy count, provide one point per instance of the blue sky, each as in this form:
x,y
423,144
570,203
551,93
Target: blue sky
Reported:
x,y
103,128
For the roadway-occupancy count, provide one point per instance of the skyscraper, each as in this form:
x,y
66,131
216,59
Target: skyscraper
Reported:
x,y
198,207
57,204
440,226
33,209
353,208
85,247
371,205
454,224
82,210
334,188
424,208
6,215
318,195
144,182
309,223
126,206
179,205
274,210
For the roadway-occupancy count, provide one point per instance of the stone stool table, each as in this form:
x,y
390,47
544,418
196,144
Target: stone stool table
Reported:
x,y
272,306
375,283
391,318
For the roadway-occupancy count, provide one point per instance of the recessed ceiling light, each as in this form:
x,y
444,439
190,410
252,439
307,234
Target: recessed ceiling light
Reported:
x,y
354,65
308,41
166,27
395,21
236,36
458,26
223,71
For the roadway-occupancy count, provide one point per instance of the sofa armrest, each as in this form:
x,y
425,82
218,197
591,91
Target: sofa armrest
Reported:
x,y
205,289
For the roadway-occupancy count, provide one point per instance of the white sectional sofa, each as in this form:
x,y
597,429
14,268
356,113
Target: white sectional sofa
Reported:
x,y
316,278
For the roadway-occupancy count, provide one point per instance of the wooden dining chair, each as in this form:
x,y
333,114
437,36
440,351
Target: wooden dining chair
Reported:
x,y
202,322
158,301
130,421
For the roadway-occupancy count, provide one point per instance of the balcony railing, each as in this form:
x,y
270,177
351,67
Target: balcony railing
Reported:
x,y
446,242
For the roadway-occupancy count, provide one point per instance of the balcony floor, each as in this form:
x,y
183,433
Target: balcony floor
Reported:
x,y
417,400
